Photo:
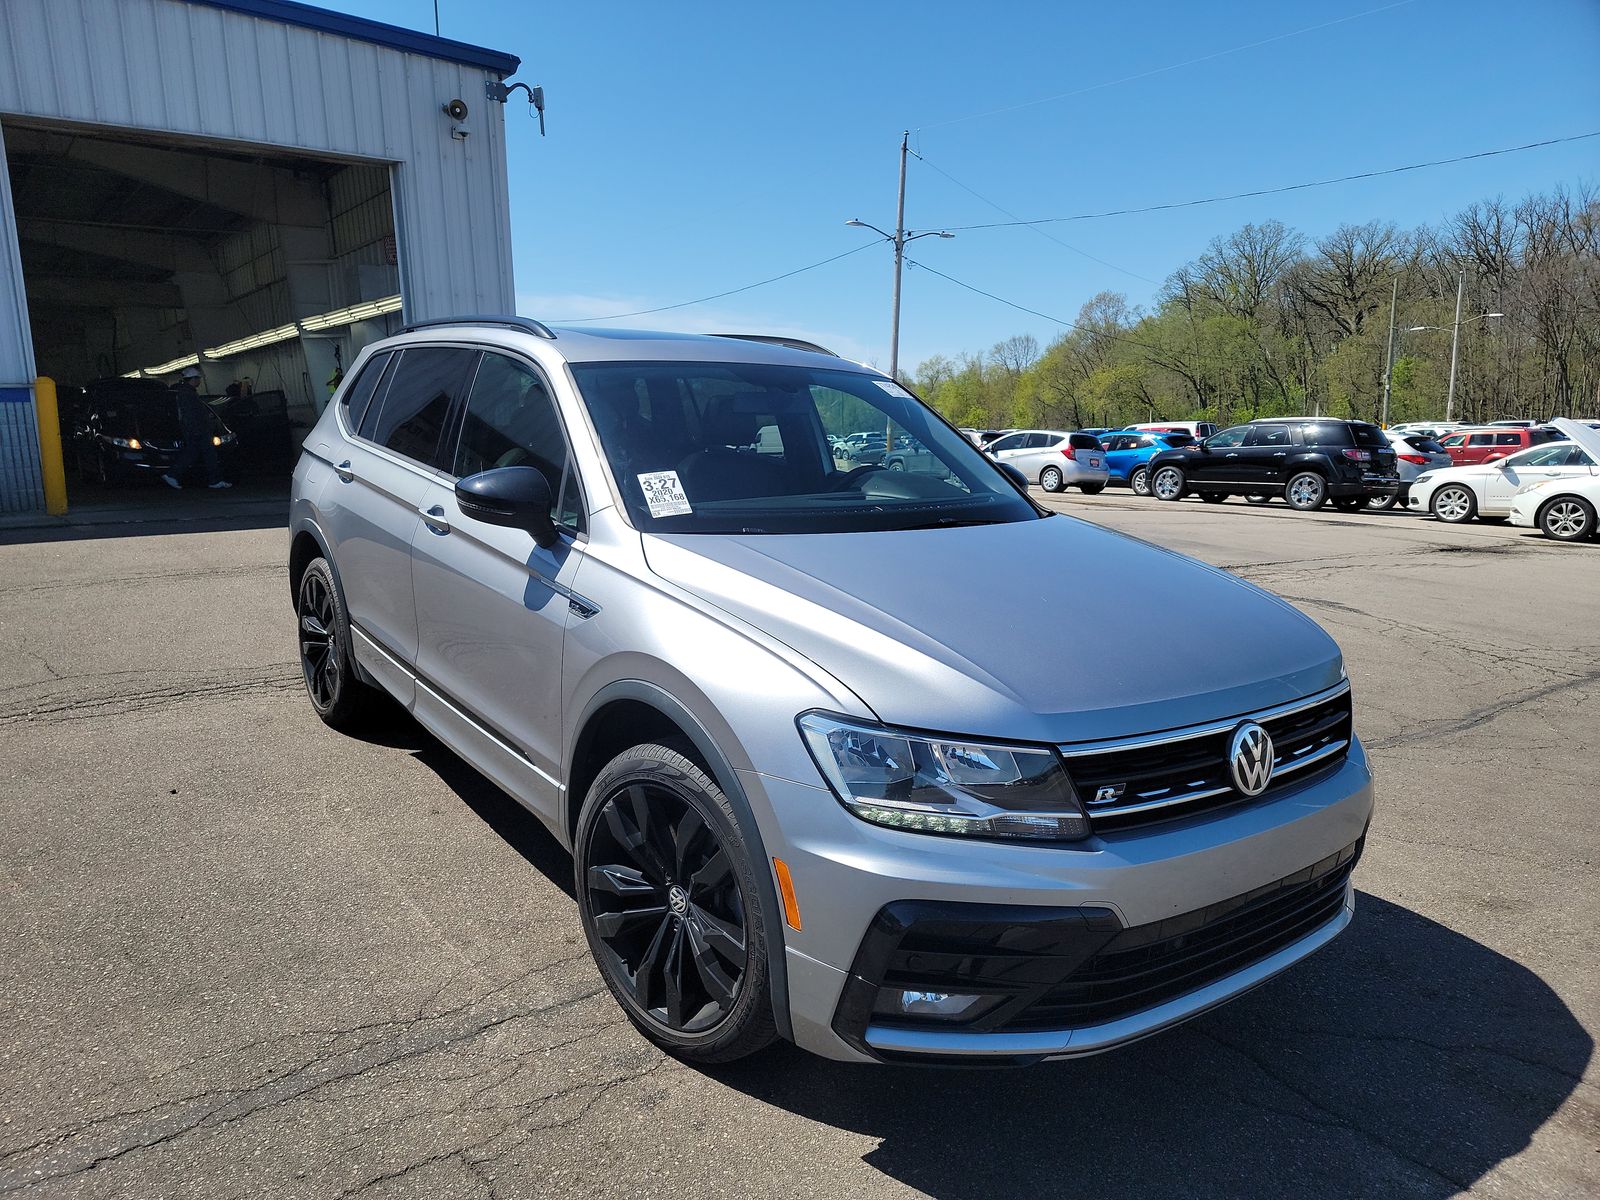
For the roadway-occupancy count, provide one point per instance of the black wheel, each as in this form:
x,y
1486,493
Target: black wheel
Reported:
x,y
1092,489
670,906
1383,501
1050,479
339,697
1213,497
1350,503
1567,519
897,464
1306,492
1167,484
1454,504
1258,498
1139,481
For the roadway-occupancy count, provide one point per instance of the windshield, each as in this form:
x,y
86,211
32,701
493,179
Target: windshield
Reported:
x,y
751,448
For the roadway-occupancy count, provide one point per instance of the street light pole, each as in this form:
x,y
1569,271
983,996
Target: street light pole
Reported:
x,y
1455,346
899,258
1388,354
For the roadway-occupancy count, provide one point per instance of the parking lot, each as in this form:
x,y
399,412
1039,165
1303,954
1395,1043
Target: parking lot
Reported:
x,y
246,956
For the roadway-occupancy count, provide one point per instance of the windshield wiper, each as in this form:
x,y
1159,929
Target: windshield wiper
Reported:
x,y
953,523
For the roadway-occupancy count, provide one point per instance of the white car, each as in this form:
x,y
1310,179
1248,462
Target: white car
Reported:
x,y
1053,459
1459,494
1564,508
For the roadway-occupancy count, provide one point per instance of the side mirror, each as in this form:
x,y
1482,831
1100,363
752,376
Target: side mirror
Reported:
x,y
1205,447
1015,475
516,497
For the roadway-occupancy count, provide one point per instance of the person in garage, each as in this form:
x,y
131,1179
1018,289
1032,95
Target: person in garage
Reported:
x,y
194,420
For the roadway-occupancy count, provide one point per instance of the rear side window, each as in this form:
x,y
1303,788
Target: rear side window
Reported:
x,y
1268,435
1172,439
1326,435
1037,441
357,396
1083,441
417,403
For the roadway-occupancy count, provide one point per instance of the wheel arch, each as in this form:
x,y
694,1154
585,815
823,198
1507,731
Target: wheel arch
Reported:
x,y
630,712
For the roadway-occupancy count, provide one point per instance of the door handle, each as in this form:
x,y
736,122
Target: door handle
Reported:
x,y
1233,454
344,472
1280,454
433,518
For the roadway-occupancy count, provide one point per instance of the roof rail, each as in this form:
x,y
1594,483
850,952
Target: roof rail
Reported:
x,y
525,324
775,340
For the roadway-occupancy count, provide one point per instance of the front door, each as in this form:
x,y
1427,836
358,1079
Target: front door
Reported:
x,y
492,606
1505,479
1264,457
1220,460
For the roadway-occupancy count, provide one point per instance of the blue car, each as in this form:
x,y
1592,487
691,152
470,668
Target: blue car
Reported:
x,y
1128,451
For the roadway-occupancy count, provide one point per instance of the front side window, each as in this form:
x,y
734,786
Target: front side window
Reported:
x,y
510,421
417,403
1543,456
1455,439
1229,438
1012,441
721,447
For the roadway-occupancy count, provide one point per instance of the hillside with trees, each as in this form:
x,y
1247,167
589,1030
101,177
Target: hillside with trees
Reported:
x,y
1271,322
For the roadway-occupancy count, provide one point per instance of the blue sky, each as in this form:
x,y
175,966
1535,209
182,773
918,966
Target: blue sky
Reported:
x,y
698,147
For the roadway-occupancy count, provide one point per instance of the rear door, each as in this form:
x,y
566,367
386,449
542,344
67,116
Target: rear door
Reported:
x,y
371,511
1121,451
492,606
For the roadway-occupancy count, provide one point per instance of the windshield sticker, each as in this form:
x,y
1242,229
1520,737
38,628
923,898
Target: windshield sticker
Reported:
x,y
893,388
664,494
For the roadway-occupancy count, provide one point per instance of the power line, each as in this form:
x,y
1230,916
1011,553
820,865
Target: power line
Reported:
x,y
1095,87
1275,191
719,295
1115,337
922,158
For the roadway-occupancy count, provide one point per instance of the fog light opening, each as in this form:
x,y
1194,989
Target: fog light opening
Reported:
x,y
944,1006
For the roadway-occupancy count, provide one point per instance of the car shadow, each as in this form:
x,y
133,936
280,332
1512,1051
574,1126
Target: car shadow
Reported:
x,y
1404,1059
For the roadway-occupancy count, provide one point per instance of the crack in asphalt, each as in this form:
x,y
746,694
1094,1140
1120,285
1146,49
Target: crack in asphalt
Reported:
x,y
75,702
173,575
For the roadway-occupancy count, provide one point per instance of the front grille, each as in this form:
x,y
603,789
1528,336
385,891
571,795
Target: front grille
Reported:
x,y
1134,782
1147,965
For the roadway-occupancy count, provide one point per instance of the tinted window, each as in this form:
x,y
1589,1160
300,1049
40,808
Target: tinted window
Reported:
x,y
1326,435
1508,439
363,388
1172,439
1369,436
1040,441
1230,437
417,403
1481,439
1268,435
1424,445
368,418
1083,441
1012,441
510,421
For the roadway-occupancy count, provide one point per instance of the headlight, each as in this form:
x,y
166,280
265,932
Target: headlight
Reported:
x,y
1422,479
1543,483
125,443
945,785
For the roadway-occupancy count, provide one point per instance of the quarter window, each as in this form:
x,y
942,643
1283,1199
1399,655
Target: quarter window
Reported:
x,y
418,401
361,390
1508,439
510,421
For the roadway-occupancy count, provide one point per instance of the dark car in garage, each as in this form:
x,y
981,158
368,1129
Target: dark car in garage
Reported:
x,y
129,428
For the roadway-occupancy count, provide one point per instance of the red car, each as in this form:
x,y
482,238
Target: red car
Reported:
x,y
1467,447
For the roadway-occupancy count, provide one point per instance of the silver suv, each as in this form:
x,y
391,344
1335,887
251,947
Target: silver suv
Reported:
x,y
828,767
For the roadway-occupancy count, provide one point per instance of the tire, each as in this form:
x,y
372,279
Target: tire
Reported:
x,y
1383,501
1306,492
338,695
897,464
1258,498
668,899
1350,503
1092,489
1214,497
1567,519
1453,504
1168,483
1139,481
1051,479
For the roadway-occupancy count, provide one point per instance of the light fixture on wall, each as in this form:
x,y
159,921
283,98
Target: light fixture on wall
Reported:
x,y
364,311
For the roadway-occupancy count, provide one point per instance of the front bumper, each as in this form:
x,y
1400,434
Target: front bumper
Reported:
x,y
850,876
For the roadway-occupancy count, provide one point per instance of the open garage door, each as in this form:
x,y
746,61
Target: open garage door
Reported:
x,y
142,255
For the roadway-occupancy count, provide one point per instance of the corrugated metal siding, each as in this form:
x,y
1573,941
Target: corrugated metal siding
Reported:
x,y
16,342
21,486
173,67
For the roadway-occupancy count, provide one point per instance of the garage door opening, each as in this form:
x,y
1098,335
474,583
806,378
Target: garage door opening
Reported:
x,y
144,255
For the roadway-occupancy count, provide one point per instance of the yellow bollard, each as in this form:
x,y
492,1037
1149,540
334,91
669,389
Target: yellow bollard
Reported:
x,y
50,463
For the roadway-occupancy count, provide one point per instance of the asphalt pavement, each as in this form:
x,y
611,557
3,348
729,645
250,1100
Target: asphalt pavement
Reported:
x,y
247,956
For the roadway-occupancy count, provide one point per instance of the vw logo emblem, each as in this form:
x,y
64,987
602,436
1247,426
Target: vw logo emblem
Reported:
x,y
677,900
1250,757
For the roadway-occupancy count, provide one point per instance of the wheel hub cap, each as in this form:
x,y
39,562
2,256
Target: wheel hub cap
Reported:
x,y
677,900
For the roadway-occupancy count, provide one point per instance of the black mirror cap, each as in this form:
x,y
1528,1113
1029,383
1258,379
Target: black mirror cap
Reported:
x,y
516,497
1016,476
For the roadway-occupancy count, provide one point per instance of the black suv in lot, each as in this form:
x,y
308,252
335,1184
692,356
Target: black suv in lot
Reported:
x,y
1307,460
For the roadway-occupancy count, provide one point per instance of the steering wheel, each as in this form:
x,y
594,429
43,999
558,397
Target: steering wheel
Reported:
x,y
849,478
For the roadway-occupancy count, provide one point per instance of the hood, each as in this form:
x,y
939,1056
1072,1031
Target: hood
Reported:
x,y
1050,630
1585,436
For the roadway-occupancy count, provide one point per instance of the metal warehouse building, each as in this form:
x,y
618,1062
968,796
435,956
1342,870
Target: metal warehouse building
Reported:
x,y
255,187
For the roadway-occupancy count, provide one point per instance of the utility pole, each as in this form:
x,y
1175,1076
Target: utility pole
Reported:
x,y
1455,346
1388,354
899,258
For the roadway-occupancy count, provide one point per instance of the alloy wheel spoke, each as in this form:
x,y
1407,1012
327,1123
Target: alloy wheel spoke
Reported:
x,y
685,835
724,937
674,973
611,924
311,625
619,880
718,983
651,965
711,873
